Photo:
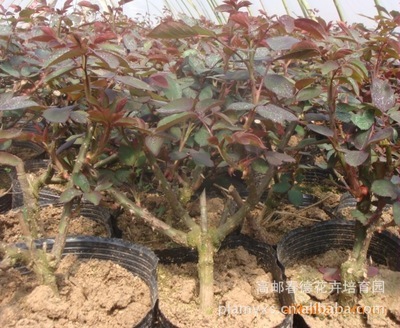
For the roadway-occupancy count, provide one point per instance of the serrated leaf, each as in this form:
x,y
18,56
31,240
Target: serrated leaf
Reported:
x,y
173,119
177,106
201,158
279,43
93,196
9,133
134,82
241,106
355,157
81,181
280,85
247,139
61,55
311,26
281,187
201,137
128,155
295,197
277,159
384,188
308,93
396,213
103,186
8,102
69,195
383,134
178,30
79,116
276,114
58,115
383,96
329,66
154,144
320,129
364,120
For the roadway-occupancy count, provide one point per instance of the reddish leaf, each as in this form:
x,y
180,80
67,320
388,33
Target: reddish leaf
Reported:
x,y
159,80
277,159
383,96
300,84
330,274
106,36
311,26
241,18
323,130
89,4
247,139
177,30
225,8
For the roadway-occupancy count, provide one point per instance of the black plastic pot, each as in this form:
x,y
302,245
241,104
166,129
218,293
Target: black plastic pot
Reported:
x,y
266,258
336,234
138,260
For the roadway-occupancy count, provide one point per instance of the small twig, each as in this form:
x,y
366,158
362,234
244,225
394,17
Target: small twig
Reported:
x,y
315,204
287,216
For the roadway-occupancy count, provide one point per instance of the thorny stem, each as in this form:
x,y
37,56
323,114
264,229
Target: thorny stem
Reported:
x,y
176,235
59,242
171,196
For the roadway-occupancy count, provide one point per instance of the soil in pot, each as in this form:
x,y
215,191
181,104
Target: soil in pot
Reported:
x,y
10,228
243,293
313,288
92,293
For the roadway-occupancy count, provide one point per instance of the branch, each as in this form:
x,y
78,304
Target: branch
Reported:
x,y
176,235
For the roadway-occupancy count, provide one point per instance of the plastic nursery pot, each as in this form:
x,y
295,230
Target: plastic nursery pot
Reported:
x,y
266,258
27,150
138,260
305,242
47,195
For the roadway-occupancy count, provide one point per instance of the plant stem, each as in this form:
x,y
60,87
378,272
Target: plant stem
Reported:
x,y
61,237
176,235
206,261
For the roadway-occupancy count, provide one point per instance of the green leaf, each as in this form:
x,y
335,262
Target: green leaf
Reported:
x,y
396,212
154,144
10,133
329,66
93,196
134,82
320,129
8,102
383,134
201,158
59,72
104,185
178,30
364,120
355,157
279,43
58,115
384,188
61,55
128,155
276,114
241,106
259,166
81,181
201,137
172,120
308,93
358,215
295,197
280,85
344,112
383,96
69,195
281,187
177,106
